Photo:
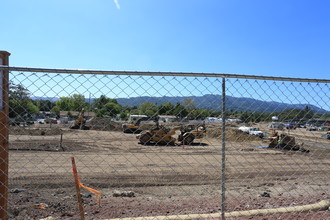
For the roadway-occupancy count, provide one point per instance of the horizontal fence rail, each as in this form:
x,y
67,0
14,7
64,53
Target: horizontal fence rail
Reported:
x,y
150,73
126,144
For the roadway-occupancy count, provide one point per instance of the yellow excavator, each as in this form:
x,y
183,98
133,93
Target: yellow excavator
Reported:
x,y
80,122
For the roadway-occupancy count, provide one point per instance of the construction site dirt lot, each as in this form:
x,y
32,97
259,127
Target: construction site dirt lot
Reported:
x,y
137,180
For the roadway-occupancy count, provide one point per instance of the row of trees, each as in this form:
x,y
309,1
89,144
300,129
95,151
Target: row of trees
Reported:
x,y
21,105
104,106
289,114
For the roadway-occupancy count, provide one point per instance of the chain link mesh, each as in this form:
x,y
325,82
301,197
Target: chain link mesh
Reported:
x,y
152,145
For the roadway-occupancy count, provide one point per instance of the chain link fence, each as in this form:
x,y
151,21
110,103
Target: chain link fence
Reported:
x,y
182,145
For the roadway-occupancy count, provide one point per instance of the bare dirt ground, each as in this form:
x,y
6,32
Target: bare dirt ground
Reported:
x,y
165,180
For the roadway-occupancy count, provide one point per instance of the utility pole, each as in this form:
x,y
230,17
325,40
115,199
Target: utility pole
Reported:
x,y
4,134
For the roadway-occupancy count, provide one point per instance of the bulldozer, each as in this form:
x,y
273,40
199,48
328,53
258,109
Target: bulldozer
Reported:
x,y
80,122
285,142
135,127
164,136
158,135
191,132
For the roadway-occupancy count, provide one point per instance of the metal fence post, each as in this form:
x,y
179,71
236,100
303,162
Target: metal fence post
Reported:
x,y
4,110
223,150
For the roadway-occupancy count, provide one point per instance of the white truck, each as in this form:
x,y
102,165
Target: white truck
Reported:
x,y
252,131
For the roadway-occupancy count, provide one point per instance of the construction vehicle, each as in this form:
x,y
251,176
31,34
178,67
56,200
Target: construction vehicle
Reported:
x,y
80,122
164,136
191,132
158,135
327,135
285,142
135,127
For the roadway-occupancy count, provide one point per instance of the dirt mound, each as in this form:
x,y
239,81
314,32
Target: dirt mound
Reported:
x,y
47,145
34,131
148,126
104,124
231,135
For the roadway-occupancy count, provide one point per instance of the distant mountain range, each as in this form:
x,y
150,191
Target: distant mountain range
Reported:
x,y
213,102
52,99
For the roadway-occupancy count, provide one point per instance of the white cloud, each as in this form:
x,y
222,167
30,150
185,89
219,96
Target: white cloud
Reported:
x,y
117,4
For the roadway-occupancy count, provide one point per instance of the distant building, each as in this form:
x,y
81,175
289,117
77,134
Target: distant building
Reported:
x,y
133,118
167,118
43,115
219,120
87,115
212,120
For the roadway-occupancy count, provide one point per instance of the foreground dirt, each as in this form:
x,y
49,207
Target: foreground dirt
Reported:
x,y
165,180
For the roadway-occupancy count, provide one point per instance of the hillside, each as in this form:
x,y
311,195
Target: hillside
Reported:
x,y
213,102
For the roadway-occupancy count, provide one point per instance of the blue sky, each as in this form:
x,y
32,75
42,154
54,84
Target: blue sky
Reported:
x,y
256,37
287,38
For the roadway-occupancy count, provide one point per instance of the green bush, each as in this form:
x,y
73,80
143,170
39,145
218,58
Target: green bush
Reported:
x,y
14,123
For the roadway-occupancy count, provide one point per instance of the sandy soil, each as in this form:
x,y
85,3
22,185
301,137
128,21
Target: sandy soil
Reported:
x,y
165,180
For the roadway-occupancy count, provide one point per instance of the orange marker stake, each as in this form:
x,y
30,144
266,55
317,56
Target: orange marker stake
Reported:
x,y
76,179
75,173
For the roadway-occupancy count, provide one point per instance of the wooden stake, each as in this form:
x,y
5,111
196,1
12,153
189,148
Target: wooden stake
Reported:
x,y
76,179
61,141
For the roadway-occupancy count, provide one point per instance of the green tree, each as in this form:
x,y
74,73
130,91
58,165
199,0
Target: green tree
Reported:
x,y
106,107
44,105
180,111
203,113
166,109
20,105
100,102
17,92
111,109
189,104
215,113
56,110
308,113
73,103
135,111
70,114
64,103
123,116
296,114
148,109
245,117
78,102
31,108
